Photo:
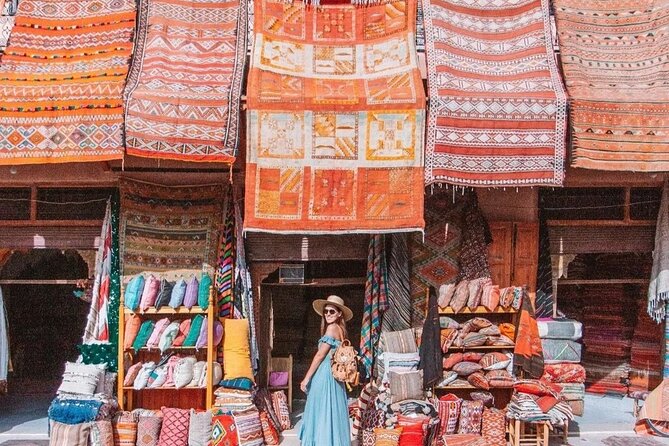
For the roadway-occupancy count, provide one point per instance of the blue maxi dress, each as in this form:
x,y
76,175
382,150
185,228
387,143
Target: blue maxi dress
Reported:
x,y
325,419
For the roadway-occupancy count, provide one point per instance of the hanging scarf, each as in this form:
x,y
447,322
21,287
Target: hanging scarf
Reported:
x,y
376,301
97,326
544,299
225,268
528,354
658,289
430,345
398,315
4,346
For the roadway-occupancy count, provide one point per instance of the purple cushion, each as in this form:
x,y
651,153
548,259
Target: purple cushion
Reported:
x,y
190,298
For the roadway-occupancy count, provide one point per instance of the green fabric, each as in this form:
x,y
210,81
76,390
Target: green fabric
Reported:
x,y
144,334
194,331
203,291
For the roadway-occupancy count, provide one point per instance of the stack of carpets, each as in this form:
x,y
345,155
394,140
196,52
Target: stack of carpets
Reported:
x,y
536,401
62,79
646,352
562,355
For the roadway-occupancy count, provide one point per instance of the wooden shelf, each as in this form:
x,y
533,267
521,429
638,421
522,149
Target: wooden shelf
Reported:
x,y
470,387
166,310
323,282
164,388
478,310
157,350
602,281
482,347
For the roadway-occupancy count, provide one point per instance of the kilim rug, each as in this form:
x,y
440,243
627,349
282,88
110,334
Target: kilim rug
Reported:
x,y
335,119
615,59
497,112
61,81
184,87
169,227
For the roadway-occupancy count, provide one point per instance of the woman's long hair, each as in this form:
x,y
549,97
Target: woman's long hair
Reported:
x,y
340,322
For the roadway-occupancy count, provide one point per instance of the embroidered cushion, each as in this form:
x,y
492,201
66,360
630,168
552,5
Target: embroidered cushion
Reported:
x,y
150,293
368,438
81,378
412,435
446,292
168,336
372,418
490,297
124,428
174,430
131,374
178,293
158,330
471,413
405,386
132,324
472,356
452,359
164,293
143,335
466,368
183,371
69,434
387,437
101,433
494,361
223,430
202,337
461,296
203,291
448,407
194,331
270,433
474,340
399,362
249,427
280,404
184,328
192,288
133,292
236,349
493,427
499,378
148,430
199,428
478,379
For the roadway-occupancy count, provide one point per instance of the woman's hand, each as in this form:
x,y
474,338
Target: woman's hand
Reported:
x,y
304,384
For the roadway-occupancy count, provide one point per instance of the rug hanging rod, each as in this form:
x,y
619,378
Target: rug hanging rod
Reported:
x,y
40,281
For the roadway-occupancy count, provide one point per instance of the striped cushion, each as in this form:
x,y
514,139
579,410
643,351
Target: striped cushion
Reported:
x,y
280,404
466,368
405,386
102,433
478,380
461,296
448,407
125,429
474,340
69,434
249,428
399,362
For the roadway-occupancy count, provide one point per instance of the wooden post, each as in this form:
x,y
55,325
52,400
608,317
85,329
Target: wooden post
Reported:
x,y
120,376
211,314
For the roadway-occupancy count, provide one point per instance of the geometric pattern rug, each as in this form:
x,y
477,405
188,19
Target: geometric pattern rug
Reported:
x,y
336,113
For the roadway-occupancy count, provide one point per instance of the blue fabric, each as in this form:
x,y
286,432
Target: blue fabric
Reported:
x,y
133,292
325,419
237,383
203,291
74,411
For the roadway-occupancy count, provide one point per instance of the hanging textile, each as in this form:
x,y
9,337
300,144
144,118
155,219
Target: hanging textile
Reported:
x,y
185,83
666,348
61,81
398,314
335,119
658,289
4,346
498,109
376,301
97,328
476,237
7,11
615,64
243,289
528,354
167,228
225,268
430,343
544,296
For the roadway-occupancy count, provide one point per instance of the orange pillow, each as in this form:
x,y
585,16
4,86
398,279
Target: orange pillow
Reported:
x,y
508,330
132,324
412,435
387,437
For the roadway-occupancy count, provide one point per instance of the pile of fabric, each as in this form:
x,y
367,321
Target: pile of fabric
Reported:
x,y
536,401
562,357
478,292
172,371
470,422
646,352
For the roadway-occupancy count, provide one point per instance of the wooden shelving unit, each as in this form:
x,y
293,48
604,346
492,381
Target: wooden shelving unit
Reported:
x,y
602,281
478,310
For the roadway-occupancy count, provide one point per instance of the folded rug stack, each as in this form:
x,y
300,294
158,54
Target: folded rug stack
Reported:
x,y
538,401
646,352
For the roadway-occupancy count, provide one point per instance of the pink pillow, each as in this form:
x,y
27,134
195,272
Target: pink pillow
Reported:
x,y
158,330
174,431
278,379
150,293
131,374
184,328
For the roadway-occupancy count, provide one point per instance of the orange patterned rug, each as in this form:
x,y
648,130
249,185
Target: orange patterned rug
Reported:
x,y
335,119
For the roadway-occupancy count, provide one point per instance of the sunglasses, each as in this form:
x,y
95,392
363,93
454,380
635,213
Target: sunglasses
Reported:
x,y
330,311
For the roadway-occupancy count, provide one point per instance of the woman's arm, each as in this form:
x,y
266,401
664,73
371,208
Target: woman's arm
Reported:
x,y
323,349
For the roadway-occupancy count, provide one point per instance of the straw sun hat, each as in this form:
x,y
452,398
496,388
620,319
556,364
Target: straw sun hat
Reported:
x,y
335,301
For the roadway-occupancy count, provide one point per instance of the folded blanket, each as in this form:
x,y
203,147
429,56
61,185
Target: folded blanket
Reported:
x,y
572,391
564,372
560,329
559,350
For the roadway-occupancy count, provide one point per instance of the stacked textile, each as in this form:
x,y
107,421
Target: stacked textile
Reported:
x,y
646,352
535,401
62,79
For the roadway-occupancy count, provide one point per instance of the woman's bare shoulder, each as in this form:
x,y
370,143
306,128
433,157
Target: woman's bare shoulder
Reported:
x,y
333,331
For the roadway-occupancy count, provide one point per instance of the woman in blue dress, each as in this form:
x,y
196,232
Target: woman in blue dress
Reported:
x,y
325,419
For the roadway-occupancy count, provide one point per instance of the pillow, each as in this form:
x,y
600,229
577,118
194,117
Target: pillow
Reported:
x,y
202,337
270,434
447,336
133,292
101,433
203,291
472,356
178,293
478,323
107,383
546,403
399,362
81,378
223,430
506,297
124,428
237,383
164,293
452,359
387,437
69,434
494,361
493,427
280,405
536,387
402,341
448,408
218,332
183,371
199,428
143,336
157,377
508,330
517,298
150,293
466,368
485,397
157,332
131,374
406,386
174,431
167,338
198,369
490,297
500,340
461,296
143,376
249,427
474,340
412,435
132,324
148,430
447,322
448,378
278,379
471,413
475,290
184,328
218,374
446,292
368,438
190,297
478,380
493,330
194,331
499,378
236,349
